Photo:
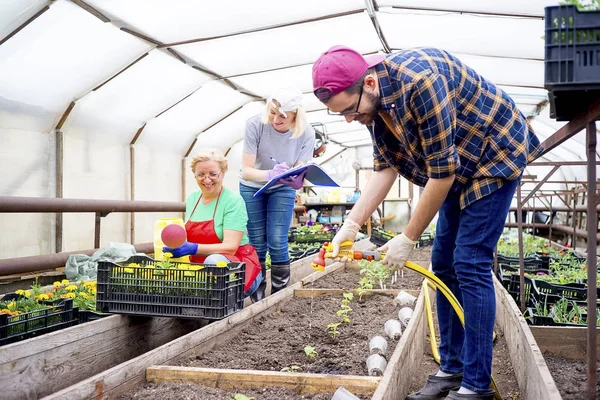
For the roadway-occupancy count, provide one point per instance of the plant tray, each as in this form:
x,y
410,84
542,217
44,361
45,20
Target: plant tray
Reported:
x,y
84,316
572,291
35,323
530,290
210,292
572,57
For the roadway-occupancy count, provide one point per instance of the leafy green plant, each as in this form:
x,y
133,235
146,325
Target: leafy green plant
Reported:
x,y
240,396
292,368
333,329
310,352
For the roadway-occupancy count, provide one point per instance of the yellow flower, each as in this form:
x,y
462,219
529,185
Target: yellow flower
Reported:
x,y
20,292
128,270
43,296
57,284
167,255
70,295
71,288
65,282
83,295
27,293
50,295
11,305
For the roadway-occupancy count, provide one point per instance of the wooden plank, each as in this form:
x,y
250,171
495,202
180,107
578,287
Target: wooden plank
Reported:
x,y
129,374
566,341
329,292
229,379
40,366
533,377
406,357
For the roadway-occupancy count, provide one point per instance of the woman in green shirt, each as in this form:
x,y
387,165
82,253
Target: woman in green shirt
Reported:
x,y
216,220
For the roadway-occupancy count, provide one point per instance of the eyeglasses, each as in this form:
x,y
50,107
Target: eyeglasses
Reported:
x,y
325,94
213,176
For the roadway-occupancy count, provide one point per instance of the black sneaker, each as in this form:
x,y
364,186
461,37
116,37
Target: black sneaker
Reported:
x,y
453,395
437,387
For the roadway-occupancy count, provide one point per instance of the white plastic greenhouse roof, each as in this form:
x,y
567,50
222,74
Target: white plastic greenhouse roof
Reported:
x,y
191,72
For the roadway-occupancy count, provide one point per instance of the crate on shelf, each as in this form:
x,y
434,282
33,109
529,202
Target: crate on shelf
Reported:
x,y
380,236
572,57
58,315
189,291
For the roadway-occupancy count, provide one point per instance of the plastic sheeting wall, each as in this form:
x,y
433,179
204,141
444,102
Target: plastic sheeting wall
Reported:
x,y
26,158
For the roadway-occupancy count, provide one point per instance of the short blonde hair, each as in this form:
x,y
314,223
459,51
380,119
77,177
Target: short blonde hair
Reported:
x,y
299,124
209,155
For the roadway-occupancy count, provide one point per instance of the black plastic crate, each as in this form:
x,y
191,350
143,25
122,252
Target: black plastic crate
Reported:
x,y
528,269
572,60
84,316
208,293
544,320
380,236
529,263
426,239
59,315
573,291
514,286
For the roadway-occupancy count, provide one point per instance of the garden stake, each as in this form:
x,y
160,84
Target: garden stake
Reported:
x,y
318,263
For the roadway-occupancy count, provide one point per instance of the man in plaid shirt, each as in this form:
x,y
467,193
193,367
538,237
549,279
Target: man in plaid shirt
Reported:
x,y
439,124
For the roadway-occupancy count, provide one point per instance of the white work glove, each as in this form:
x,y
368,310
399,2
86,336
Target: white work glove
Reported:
x,y
347,232
398,250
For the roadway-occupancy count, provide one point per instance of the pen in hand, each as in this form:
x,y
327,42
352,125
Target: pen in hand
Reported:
x,y
274,160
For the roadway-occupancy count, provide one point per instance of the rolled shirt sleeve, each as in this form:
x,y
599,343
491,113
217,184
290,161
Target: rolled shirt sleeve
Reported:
x,y
435,114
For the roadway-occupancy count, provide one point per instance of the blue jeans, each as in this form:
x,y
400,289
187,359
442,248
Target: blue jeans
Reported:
x,y
269,220
462,258
215,258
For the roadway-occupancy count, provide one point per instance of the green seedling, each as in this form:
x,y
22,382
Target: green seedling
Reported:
x,y
364,284
293,368
310,352
239,396
333,328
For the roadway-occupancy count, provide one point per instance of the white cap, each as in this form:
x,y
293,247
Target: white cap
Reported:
x,y
288,98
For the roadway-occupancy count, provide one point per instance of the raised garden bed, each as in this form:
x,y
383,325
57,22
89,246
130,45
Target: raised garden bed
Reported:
x,y
131,374
276,341
98,345
128,380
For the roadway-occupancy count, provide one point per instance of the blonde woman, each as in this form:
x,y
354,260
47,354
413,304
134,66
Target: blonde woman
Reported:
x,y
216,221
278,139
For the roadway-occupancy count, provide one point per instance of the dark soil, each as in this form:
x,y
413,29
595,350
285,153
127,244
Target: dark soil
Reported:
x,y
192,391
570,376
276,341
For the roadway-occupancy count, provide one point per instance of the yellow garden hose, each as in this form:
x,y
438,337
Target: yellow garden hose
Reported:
x,y
428,309
439,285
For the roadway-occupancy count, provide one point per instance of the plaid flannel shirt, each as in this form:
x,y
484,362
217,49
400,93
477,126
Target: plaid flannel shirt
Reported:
x,y
443,119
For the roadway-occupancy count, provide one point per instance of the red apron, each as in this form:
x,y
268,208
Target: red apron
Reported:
x,y
204,232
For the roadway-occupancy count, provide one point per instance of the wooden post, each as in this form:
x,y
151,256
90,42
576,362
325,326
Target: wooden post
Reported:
x,y
59,189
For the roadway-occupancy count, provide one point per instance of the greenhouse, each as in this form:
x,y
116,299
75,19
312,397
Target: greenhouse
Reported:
x,y
359,199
